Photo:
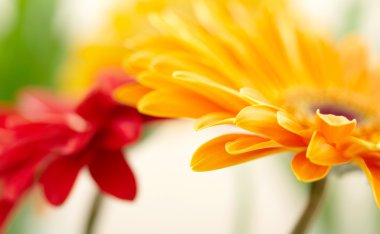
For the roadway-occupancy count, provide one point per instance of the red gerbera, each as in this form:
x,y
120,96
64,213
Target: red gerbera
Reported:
x,y
49,142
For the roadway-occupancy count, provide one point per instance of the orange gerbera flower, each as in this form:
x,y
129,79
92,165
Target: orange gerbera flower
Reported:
x,y
247,63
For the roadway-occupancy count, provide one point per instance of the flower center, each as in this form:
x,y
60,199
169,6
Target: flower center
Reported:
x,y
338,111
304,103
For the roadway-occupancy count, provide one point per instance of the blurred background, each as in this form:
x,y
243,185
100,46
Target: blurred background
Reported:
x,y
259,197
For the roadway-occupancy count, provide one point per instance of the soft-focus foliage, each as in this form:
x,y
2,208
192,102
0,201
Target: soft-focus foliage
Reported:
x,y
32,48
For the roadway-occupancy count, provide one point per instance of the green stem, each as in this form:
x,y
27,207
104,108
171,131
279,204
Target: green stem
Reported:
x,y
243,201
94,213
316,193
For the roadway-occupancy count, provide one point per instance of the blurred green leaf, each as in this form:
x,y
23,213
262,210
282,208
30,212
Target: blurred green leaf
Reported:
x,y
352,18
30,53
19,224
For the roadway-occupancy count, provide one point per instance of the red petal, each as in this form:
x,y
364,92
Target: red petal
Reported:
x,y
122,131
113,175
37,104
16,183
112,78
148,119
13,187
17,157
99,106
59,177
6,207
95,107
33,142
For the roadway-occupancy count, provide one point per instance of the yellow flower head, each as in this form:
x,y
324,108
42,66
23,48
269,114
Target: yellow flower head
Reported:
x,y
250,64
104,52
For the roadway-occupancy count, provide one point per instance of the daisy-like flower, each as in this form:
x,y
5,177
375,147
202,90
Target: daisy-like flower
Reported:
x,y
250,64
48,142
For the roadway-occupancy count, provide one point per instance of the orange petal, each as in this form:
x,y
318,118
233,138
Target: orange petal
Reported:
x,y
373,174
353,146
130,94
285,121
176,103
214,119
250,143
334,128
321,152
307,171
213,155
262,120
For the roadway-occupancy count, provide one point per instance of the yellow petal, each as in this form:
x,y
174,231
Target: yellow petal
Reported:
x,y
373,174
354,55
176,103
250,143
213,155
252,96
307,171
137,62
130,94
334,128
154,80
181,59
214,119
321,152
262,120
224,96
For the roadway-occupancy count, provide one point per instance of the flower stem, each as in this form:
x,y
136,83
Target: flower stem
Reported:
x,y
243,201
94,213
315,197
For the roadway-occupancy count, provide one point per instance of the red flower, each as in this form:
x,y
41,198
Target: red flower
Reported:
x,y
25,147
49,142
